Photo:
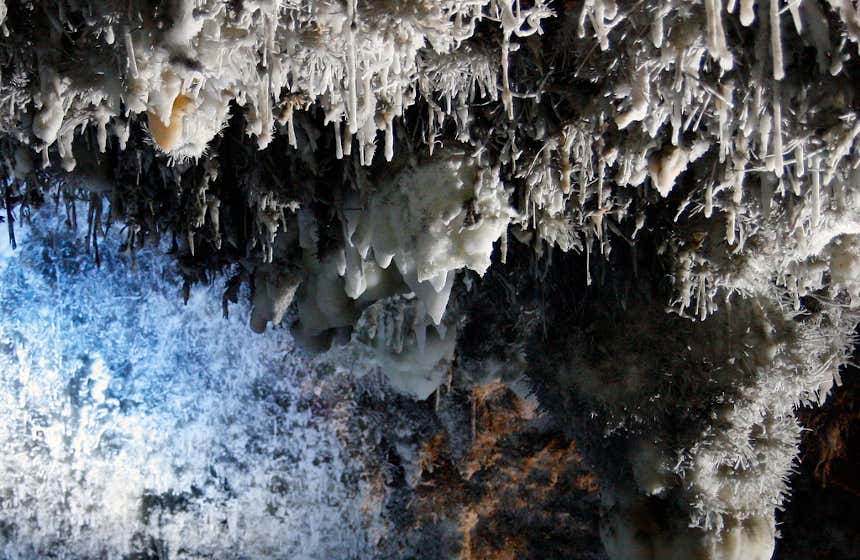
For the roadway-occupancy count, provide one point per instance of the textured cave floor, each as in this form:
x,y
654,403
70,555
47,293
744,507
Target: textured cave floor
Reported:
x,y
518,487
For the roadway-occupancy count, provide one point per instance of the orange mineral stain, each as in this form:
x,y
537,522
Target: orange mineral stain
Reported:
x,y
169,137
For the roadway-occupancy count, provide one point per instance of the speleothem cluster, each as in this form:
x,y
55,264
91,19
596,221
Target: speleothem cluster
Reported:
x,y
664,192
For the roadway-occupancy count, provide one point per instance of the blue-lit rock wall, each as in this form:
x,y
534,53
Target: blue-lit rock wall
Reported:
x,y
133,423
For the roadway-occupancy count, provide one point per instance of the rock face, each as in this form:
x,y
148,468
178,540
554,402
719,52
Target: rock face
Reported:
x,y
640,217
825,492
136,426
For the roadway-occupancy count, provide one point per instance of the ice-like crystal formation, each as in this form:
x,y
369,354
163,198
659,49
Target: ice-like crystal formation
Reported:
x,y
131,423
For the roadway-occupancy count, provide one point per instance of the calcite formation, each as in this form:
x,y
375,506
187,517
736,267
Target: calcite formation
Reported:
x,y
642,215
